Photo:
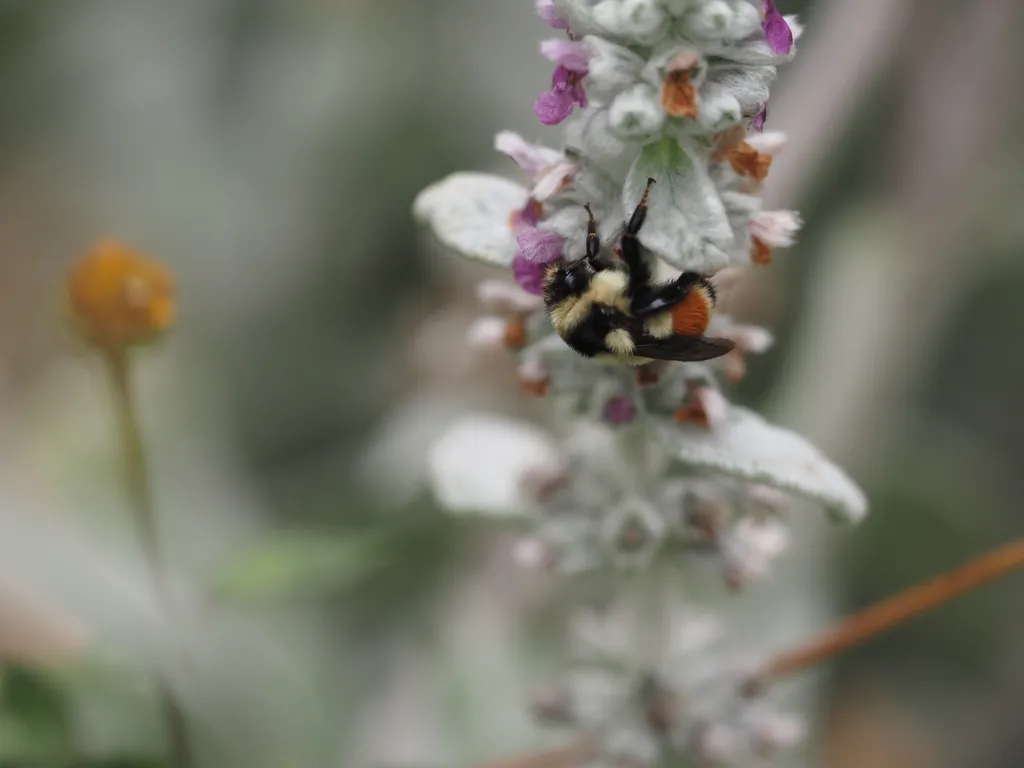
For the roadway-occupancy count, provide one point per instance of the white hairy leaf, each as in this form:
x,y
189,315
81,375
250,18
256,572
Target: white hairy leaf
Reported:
x,y
686,224
469,213
642,21
479,465
749,86
756,50
748,447
636,113
611,70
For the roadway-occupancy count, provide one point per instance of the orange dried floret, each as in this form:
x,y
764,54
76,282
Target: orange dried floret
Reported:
x,y
118,298
678,92
515,334
761,252
747,161
679,96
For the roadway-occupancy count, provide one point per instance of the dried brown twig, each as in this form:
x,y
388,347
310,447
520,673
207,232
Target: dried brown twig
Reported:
x,y
568,756
893,611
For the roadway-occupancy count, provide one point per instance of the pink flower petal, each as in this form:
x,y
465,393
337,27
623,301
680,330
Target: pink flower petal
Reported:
x,y
552,107
714,404
566,53
750,338
553,180
529,275
527,216
566,90
771,143
531,158
776,30
547,11
539,246
620,410
579,94
776,228
758,122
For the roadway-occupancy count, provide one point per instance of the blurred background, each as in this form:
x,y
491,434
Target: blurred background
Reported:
x,y
327,613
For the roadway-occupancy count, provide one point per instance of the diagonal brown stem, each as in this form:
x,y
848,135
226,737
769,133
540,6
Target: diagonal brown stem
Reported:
x,y
894,611
568,756
141,498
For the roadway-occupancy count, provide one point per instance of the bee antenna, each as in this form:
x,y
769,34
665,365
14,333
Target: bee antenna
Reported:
x,y
593,241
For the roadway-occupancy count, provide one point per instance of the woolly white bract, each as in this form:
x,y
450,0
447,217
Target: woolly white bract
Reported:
x,y
641,472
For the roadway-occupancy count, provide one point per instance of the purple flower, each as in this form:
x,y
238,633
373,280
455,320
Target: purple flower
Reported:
x,y
537,249
776,30
539,246
531,158
572,59
619,410
570,54
552,107
758,122
547,11
529,275
527,216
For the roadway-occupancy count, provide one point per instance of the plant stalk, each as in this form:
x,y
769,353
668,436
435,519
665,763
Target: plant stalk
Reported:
x,y
894,611
141,501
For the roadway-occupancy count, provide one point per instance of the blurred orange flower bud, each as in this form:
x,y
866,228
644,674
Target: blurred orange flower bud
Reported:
x,y
119,298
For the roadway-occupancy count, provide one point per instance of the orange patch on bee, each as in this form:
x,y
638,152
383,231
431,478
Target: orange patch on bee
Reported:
x,y
515,334
761,253
747,161
691,316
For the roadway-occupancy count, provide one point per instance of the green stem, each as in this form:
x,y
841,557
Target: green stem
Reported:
x,y
141,498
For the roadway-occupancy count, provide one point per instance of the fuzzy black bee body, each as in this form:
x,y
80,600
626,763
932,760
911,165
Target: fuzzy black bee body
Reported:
x,y
618,313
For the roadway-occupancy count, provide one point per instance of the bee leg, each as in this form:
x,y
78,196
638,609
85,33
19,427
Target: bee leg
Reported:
x,y
639,273
640,213
593,242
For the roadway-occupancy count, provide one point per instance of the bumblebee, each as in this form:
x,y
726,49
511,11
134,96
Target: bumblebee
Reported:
x,y
618,313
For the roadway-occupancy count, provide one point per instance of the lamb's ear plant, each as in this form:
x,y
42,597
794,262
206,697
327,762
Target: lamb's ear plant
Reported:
x,y
646,474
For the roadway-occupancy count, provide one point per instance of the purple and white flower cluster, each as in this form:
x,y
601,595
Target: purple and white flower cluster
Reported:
x,y
643,475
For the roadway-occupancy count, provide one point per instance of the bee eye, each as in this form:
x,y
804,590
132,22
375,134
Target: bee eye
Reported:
x,y
570,280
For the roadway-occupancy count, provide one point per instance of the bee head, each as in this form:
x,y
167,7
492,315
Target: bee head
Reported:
x,y
565,279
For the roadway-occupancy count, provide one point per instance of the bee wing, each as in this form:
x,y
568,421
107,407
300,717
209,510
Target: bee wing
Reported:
x,y
659,296
683,348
